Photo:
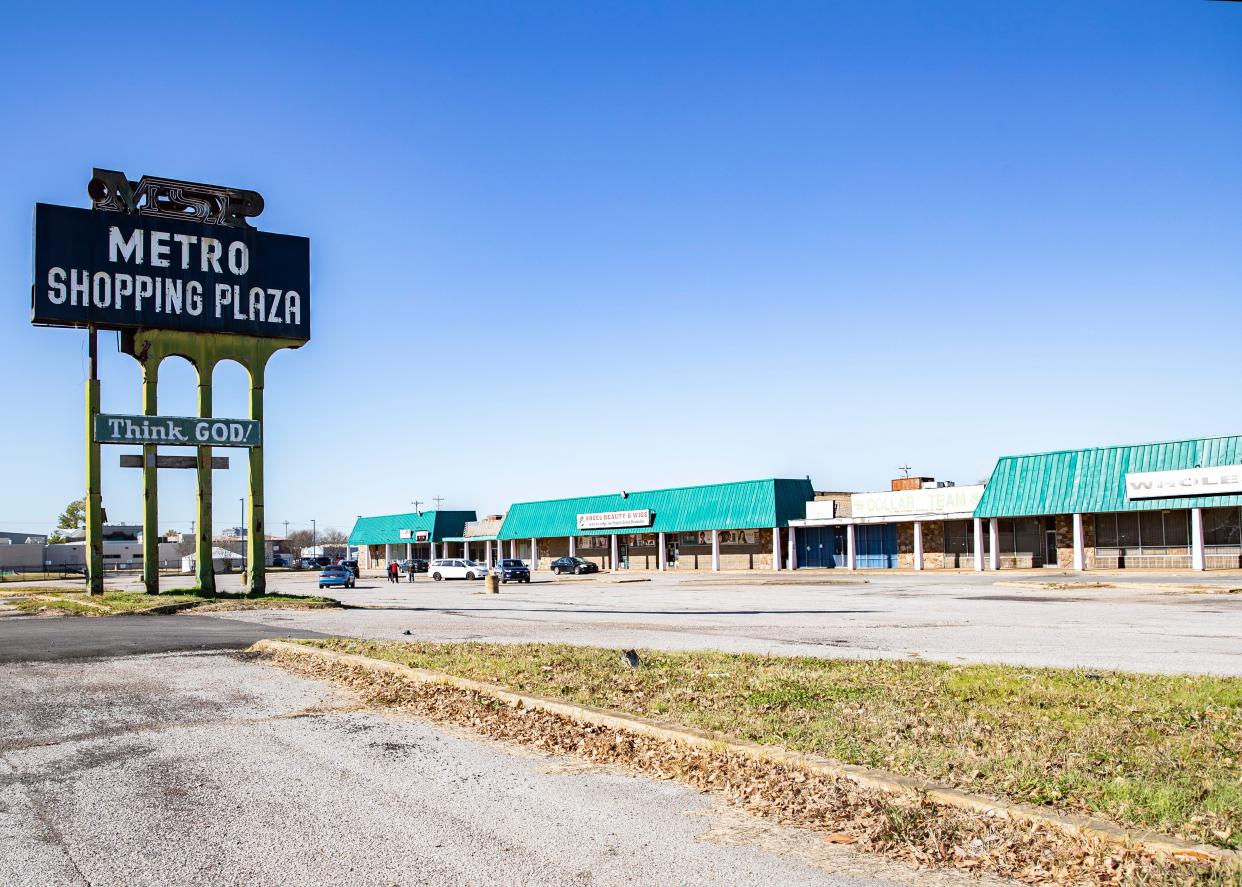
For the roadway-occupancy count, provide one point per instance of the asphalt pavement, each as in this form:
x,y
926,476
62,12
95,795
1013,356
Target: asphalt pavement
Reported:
x,y
1133,623
126,767
44,639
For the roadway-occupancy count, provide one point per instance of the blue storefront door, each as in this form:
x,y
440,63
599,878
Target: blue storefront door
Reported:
x,y
875,545
821,546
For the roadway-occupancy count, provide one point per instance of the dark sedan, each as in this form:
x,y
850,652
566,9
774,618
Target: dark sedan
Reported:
x,y
573,565
512,570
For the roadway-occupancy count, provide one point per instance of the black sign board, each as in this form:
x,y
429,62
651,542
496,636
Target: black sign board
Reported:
x,y
117,270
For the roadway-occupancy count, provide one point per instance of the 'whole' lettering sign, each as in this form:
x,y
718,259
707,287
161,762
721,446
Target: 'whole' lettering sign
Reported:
x,y
120,271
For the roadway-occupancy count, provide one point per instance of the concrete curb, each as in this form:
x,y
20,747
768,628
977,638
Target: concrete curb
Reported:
x,y
874,780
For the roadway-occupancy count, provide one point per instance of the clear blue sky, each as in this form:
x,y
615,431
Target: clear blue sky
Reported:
x,y
565,248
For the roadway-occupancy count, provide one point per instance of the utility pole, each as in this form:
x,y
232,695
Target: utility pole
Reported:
x,y
437,500
418,507
904,469
314,533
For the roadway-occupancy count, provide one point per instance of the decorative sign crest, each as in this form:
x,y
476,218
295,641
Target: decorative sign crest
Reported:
x,y
171,199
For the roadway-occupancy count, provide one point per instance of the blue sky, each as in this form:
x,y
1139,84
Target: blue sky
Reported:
x,y
565,248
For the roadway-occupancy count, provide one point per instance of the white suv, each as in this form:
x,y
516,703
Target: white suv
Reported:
x,y
456,568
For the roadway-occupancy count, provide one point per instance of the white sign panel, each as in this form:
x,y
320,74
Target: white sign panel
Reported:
x,y
940,500
416,535
603,520
407,534
1188,482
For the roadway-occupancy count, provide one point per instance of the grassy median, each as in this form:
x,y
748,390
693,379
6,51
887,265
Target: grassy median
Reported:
x,y
79,603
1160,752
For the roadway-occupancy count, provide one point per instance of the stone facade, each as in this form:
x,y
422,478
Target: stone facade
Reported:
x,y
933,546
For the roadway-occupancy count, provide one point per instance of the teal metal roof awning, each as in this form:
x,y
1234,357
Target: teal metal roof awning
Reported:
x,y
733,506
386,529
1094,480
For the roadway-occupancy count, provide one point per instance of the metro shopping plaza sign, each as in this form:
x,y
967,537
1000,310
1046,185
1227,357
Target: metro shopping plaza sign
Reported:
x,y
177,269
114,271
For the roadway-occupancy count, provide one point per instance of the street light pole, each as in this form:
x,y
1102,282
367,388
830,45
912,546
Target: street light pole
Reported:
x,y
314,535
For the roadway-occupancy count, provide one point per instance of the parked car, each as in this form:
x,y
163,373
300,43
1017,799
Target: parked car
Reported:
x,y
413,565
511,569
336,577
309,563
352,566
279,561
456,568
573,565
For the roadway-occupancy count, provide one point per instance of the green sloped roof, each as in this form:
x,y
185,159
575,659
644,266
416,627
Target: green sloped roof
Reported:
x,y
733,506
1093,480
386,529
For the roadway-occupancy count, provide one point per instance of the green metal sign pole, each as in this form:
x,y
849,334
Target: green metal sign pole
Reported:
x,y
204,565
258,532
94,498
150,492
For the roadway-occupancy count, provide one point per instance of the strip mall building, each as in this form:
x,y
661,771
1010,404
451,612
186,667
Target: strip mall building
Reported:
x,y
1174,505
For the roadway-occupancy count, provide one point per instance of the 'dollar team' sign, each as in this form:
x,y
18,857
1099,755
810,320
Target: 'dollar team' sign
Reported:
x,y
119,271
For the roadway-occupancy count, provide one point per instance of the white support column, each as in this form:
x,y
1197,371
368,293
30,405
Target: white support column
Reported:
x,y
465,551
534,554
387,554
612,562
662,559
1080,551
979,544
715,551
918,545
793,548
513,549
776,548
1198,560
573,546
851,559
487,553
994,543
409,551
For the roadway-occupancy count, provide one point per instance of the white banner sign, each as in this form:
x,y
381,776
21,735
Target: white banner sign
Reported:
x,y
416,535
603,520
1188,482
941,500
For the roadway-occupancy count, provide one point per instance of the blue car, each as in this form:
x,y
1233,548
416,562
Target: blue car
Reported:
x,y
336,577
512,570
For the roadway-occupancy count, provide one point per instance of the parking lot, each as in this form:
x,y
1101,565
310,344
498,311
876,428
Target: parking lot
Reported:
x,y
1146,622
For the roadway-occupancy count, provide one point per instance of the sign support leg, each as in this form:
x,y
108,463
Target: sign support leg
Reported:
x,y
204,565
150,491
94,498
258,532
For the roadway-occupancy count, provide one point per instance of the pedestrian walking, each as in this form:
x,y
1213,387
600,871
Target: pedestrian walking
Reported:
x,y
392,571
412,563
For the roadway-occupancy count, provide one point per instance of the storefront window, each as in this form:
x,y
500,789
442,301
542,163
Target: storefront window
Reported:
x,y
1221,526
1144,529
958,537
